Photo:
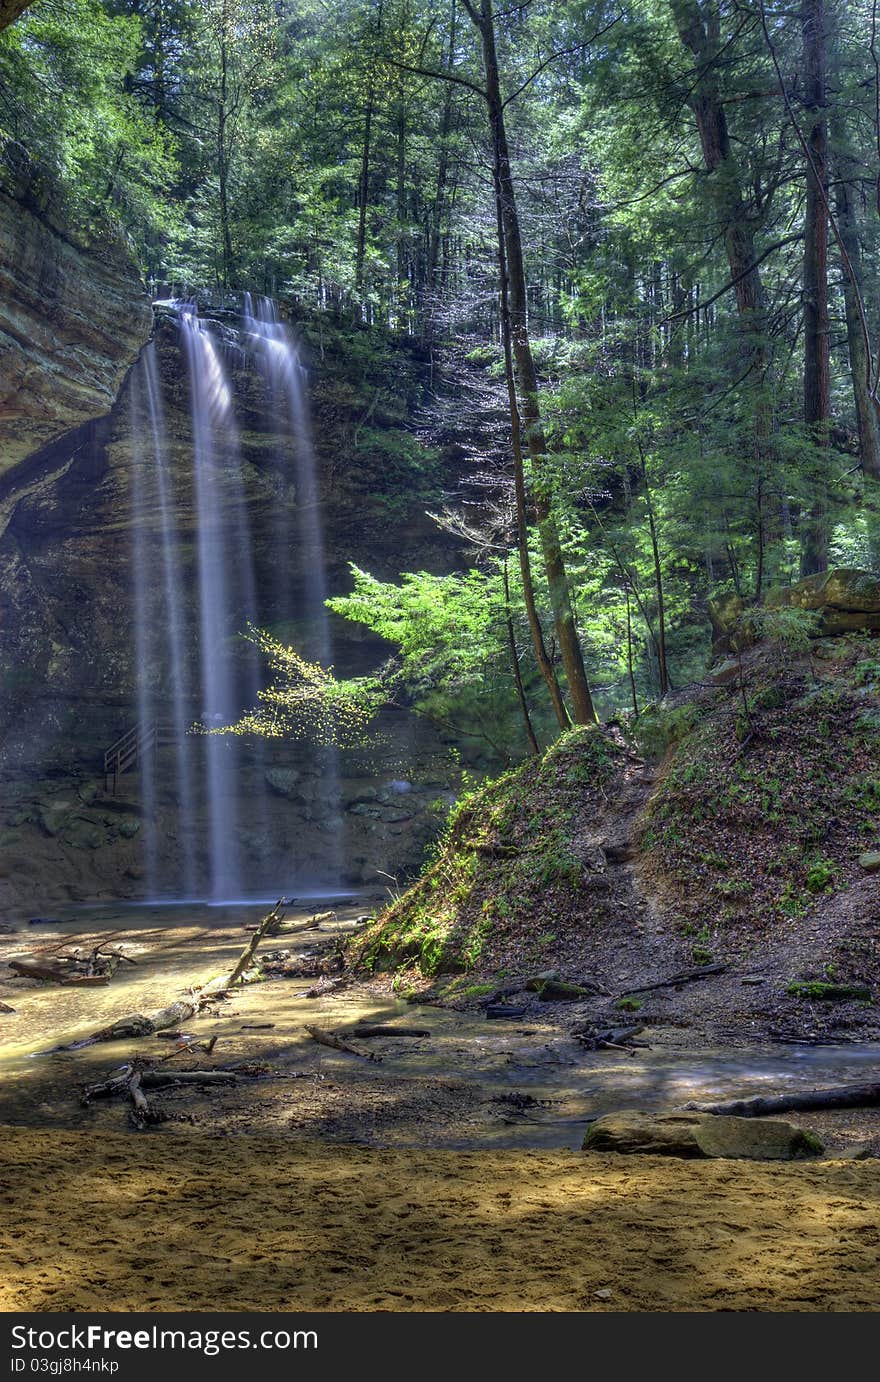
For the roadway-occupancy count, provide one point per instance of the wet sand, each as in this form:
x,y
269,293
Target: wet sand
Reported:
x,y
188,1221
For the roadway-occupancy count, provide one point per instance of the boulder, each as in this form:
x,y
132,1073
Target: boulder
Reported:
x,y
679,1132
847,599
870,861
286,782
844,588
726,617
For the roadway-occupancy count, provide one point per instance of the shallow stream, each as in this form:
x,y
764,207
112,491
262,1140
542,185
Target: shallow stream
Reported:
x,y
531,1084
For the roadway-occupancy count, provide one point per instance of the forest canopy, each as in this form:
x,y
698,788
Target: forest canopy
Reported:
x,y
649,226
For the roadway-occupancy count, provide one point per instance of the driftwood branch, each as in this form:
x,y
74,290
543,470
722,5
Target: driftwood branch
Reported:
x,y
133,1079
687,976
137,1025
383,1030
270,920
843,1096
325,1038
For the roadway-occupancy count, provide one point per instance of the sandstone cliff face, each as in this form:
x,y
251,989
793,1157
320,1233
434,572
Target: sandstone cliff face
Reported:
x,y
68,671
72,320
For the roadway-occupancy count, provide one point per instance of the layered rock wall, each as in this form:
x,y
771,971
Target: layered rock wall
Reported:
x,y
73,318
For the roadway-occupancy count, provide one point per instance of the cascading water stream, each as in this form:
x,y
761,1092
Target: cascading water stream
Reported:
x,y
159,626
211,403
278,359
142,458
195,594
173,626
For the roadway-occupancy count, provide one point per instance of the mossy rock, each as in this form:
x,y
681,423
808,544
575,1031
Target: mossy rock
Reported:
x,y
845,588
870,861
829,993
682,1133
557,991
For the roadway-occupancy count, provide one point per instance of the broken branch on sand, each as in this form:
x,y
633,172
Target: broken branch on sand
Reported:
x,y
134,1078
384,1030
137,1025
325,1038
687,976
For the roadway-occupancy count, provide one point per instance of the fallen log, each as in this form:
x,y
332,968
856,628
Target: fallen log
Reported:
x,y
843,1096
383,1030
133,1079
686,976
145,1024
323,986
243,962
325,1038
57,974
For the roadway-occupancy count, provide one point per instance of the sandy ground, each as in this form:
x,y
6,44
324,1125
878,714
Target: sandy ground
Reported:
x,y
192,1222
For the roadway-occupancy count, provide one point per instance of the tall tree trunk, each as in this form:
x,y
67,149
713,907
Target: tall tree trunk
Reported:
x,y
629,651
10,10
542,657
223,157
867,420
554,561
436,215
699,29
364,194
534,746
662,666
817,362
401,304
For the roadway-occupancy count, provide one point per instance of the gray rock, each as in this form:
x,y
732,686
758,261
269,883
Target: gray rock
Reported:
x,y
755,1139
683,1133
287,782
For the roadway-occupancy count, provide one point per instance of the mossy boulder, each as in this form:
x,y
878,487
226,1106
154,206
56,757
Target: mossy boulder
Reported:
x,y
847,599
870,861
683,1133
726,617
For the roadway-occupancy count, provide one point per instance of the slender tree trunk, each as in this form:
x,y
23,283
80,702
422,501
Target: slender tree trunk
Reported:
x,y
10,10
860,366
534,746
401,293
542,657
662,668
817,364
629,651
554,561
436,216
223,159
364,195
699,29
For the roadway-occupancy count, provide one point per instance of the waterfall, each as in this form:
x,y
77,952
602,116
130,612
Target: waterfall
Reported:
x,y
195,593
144,465
159,630
277,358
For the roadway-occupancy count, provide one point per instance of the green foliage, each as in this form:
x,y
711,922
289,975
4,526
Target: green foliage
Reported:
x,y
507,853
66,97
306,701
